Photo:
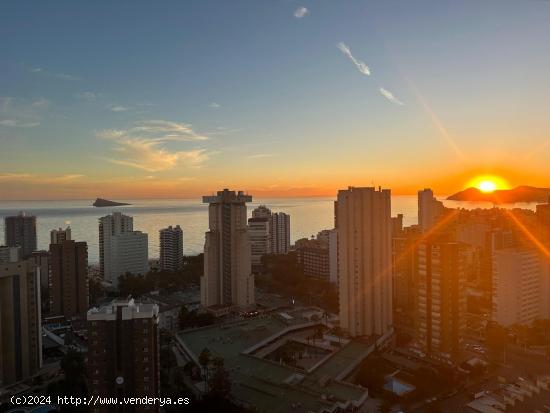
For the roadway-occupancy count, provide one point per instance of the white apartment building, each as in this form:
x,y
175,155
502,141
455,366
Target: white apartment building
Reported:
x,y
520,286
118,252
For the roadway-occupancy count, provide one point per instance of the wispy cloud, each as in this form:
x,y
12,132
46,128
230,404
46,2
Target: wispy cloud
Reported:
x,y
7,176
361,66
390,96
87,96
15,123
40,103
156,130
47,179
261,155
148,156
301,12
118,108
143,146
214,105
65,178
44,72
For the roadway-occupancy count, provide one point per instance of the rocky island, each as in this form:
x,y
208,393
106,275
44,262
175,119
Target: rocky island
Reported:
x,y
100,203
503,196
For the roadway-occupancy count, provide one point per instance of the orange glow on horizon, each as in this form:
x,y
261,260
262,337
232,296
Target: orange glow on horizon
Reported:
x,y
488,183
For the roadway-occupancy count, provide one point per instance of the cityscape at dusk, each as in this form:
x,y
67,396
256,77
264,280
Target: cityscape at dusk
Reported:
x,y
274,206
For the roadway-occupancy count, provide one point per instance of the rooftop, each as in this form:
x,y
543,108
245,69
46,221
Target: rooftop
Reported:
x,y
130,310
271,386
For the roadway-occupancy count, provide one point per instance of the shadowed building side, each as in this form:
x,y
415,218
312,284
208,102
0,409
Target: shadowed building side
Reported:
x,y
363,219
227,278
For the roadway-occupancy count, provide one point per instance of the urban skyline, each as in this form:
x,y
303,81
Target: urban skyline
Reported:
x,y
300,206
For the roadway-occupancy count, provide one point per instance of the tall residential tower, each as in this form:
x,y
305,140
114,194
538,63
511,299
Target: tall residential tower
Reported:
x,y
171,248
20,313
227,278
20,231
363,223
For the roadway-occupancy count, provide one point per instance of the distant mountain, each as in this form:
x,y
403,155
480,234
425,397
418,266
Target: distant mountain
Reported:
x,y
100,203
504,196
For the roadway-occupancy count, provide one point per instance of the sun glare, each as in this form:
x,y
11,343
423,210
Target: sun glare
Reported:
x,y
488,183
487,186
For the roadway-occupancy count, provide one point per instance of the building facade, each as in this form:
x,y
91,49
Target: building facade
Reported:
x,y
429,209
121,249
314,259
123,353
20,231
258,230
68,290
520,286
20,314
227,278
171,248
279,233
404,276
58,236
10,254
363,223
129,254
441,298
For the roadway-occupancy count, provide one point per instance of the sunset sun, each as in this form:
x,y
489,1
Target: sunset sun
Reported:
x,y
487,186
488,183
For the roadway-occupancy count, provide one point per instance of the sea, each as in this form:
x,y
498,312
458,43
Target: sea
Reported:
x,y
308,216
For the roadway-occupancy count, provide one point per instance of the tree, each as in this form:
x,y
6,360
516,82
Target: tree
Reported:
x,y
204,360
95,291
220,384
74,381
134,285
74,369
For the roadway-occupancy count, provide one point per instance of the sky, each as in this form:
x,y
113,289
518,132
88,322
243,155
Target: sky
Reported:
x,y
175,99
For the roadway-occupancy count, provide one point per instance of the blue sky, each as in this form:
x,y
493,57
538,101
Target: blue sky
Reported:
x,y
178,97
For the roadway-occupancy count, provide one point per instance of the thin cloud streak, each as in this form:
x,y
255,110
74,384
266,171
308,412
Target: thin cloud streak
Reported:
x,y
390,96
17,177
64,76
118,108
361,66
15,123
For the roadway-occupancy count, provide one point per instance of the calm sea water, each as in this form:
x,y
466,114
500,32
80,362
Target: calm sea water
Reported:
x,y
307,216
